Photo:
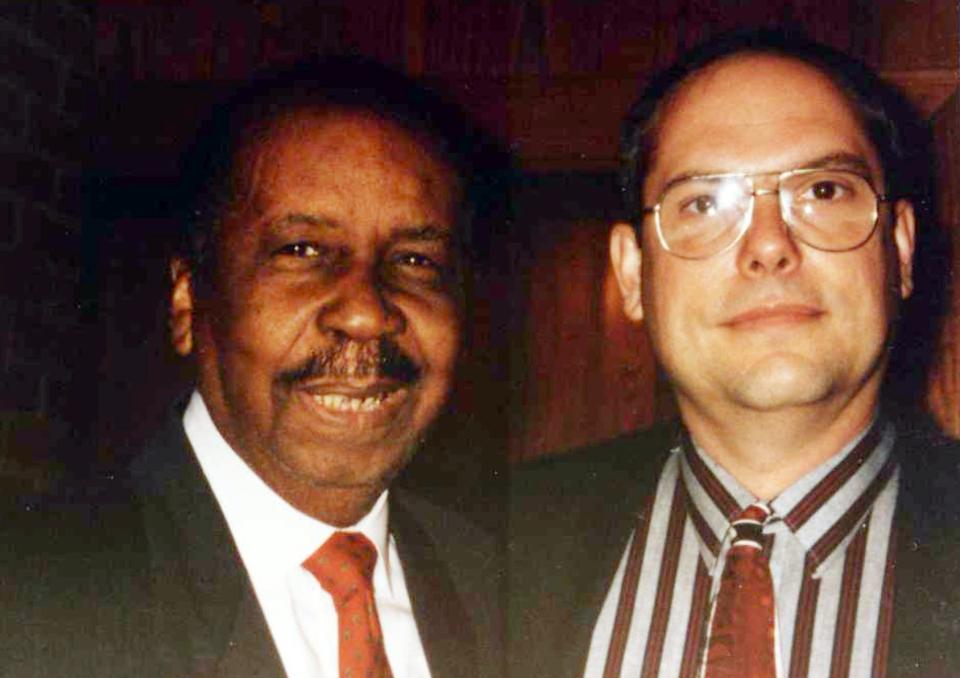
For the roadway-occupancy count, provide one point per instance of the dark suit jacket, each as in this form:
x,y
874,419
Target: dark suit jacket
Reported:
x,y
571,517
159,588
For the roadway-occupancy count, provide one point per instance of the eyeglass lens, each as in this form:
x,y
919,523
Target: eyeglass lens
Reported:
x,y
831,210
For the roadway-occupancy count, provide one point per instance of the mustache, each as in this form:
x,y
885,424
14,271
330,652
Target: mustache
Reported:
x,y
351,359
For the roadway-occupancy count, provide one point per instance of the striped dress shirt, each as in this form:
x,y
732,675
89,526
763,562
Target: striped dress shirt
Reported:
x,y
829,545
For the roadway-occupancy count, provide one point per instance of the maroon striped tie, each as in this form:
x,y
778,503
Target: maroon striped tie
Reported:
x,y
742,635
344,568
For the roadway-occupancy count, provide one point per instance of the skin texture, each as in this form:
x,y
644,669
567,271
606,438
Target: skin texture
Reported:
x,y
776,350
339,249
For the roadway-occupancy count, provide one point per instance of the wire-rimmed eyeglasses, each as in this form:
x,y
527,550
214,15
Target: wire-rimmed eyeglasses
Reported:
x,y
834,210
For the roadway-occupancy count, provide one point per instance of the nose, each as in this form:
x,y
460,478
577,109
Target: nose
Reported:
x,y
768,246
360,309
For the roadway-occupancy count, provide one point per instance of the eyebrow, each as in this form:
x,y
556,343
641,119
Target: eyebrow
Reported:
x,y
848,161
308,219
427,232
840,160
424,232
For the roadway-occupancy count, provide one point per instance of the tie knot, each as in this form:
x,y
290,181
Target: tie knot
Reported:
x,y
748,526
343,565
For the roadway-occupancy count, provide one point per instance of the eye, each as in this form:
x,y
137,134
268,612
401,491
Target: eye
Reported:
x,y
420,267
308,255
827,187
826,190
701,205
301,250
416,260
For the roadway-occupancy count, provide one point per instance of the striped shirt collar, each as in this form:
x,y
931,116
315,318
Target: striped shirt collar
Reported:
x,y
821,510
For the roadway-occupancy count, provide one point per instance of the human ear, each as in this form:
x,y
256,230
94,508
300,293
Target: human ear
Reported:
x,y
627,258
904,239
181,307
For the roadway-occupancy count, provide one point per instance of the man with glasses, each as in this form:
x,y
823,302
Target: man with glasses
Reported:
x,y
786,527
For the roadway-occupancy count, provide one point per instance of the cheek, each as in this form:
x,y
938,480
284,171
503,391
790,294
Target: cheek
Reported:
x,y
259,339
675,296
862,286
435,326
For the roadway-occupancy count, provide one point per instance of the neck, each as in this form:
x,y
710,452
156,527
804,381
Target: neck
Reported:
x,y
339,507
769,451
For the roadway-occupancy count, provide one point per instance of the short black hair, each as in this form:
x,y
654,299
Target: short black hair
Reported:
x,y
340,82
886,117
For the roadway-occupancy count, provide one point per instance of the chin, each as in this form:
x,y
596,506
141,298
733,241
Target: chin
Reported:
x,y
342,468
775,387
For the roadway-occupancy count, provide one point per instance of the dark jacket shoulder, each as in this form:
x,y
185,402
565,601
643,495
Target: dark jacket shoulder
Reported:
x,y
622,467
930,475
569,521
925,639
455,574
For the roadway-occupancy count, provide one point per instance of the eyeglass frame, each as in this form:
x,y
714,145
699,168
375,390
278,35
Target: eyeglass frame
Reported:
x,y
754,192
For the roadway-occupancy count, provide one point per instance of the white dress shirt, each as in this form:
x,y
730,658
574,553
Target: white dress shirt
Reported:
x,y
274,539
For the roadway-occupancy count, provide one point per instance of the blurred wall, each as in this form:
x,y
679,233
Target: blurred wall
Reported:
x,y
46,78
86,368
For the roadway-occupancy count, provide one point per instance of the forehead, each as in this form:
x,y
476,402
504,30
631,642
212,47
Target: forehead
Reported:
x,y
756,113
316,160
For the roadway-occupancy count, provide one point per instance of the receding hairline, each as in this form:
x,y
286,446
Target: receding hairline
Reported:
x,y
259,133
266,132
678,93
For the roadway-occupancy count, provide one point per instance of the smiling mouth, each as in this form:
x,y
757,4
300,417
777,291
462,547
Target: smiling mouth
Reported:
x,y
357,402
338,402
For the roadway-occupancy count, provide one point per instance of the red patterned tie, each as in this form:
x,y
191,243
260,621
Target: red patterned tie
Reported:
x,y
344,568
742,636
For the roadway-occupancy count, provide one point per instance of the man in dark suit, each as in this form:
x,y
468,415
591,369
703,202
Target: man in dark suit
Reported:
x,y
319,289
786,527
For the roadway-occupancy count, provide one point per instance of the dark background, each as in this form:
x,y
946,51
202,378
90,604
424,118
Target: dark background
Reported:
x,y
97,99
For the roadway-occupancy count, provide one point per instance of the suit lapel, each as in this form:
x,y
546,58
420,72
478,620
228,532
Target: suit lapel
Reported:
x,y
618,512
249,652
570,530
444,625
926,615
200,580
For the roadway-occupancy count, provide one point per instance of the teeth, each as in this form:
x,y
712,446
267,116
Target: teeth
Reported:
x,y
342,403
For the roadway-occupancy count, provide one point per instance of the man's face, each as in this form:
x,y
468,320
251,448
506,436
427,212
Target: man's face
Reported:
x,y
770,323
327,341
